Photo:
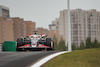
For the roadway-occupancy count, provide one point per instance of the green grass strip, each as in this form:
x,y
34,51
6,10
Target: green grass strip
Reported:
x,y
79,58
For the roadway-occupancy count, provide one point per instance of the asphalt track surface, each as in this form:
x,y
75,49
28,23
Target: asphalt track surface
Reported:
x,y
22,59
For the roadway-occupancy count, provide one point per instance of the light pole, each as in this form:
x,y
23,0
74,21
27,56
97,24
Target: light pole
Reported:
x,y
69,27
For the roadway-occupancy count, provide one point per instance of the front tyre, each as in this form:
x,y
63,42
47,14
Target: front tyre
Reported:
x,y
20,42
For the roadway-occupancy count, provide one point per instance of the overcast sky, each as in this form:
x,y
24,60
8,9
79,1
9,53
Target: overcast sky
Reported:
x,y
43,12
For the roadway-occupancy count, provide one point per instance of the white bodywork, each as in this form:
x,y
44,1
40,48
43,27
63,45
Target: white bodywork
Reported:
x,y
35,38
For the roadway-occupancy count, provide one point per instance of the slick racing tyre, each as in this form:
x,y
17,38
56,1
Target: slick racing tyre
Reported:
x,y
48,42
20,42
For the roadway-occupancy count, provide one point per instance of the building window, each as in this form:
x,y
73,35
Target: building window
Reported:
x,y
95,26
72,15
79,24
57,23
63,14
80,27
57,28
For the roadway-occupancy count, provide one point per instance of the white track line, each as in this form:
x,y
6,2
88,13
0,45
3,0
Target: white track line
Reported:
x,y
44,60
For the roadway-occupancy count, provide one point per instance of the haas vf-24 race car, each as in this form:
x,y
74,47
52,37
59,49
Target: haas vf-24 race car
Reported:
x,y
35,42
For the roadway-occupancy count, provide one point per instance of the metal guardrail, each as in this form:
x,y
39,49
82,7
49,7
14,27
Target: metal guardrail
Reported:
x,y
1,47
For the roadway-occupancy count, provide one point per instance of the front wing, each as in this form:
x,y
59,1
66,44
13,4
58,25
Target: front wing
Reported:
x,y
33,47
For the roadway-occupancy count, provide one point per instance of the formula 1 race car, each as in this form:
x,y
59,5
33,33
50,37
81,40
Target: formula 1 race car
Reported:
x,y
35,42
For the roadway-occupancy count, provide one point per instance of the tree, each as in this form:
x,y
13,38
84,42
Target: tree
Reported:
x,y
95,44
99,44
88,42
62,44
82,45
67,47
78,48
55,42
73,46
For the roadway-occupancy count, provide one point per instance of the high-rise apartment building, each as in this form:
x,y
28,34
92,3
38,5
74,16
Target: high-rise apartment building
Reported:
x,y
1,29
41,30
22,28
84,23
13,28
6,30
30,27
16,27
4,11
54,29
54,25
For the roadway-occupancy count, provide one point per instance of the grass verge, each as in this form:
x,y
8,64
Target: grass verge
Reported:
x,y
80,58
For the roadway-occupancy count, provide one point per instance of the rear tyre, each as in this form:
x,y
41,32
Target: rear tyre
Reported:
x,y
48,42
53,46
20,42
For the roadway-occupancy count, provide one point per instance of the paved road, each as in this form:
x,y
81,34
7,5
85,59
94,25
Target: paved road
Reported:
x,y
22,59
